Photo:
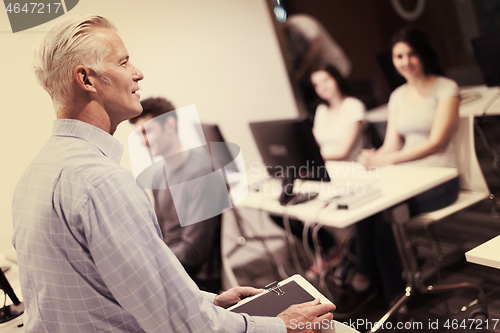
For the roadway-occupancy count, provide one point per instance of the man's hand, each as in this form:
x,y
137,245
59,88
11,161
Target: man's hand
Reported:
x,y
234,295
301,318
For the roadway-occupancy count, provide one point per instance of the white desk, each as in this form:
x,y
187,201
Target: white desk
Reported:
x,y
476,106
396,182
487,254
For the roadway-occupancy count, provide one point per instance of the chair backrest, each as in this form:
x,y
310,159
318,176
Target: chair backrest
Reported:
x,y
471,176
371,138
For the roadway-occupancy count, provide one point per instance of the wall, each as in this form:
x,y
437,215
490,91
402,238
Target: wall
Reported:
x,y
220,55
440,21
364,28
354,26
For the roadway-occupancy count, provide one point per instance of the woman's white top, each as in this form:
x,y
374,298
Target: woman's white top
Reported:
x,y
330,129
414,121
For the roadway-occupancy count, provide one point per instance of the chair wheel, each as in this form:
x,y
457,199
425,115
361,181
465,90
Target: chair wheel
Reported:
x,y
479,316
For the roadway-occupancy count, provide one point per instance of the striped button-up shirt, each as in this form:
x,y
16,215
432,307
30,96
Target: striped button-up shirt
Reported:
x,y
90,252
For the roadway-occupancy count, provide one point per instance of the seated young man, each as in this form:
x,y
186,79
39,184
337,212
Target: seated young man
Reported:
x,y
197,244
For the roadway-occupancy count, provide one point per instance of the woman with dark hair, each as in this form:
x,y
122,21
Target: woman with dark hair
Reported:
x,y
421,124
423,112
338,126
419,42
338,123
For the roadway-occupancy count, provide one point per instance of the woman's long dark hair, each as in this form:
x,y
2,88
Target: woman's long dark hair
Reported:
x,y
342,84
419,42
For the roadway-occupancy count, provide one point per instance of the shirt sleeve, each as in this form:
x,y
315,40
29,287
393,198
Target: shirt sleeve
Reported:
x,y
354,110
142,273
395,98
265,324
447,88
208,296
320,114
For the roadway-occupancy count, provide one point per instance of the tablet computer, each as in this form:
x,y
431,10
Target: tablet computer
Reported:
x,y
277,297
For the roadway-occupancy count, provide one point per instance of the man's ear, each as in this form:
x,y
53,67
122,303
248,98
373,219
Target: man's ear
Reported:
x,y
84,78
170,124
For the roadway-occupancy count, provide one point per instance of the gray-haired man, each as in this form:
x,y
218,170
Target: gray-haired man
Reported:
x,y
91,257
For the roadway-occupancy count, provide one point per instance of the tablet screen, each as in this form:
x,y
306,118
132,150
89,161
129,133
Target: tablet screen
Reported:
x,y
271,304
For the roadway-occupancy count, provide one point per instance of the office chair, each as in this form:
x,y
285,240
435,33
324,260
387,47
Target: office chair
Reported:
x,y
473,189
372,139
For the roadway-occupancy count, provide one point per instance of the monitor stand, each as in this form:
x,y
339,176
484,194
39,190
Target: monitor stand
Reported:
x,y
12,311
287,194
9,312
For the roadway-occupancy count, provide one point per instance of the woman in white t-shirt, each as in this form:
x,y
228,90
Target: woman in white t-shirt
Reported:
x,y
338,127
338,123
421,123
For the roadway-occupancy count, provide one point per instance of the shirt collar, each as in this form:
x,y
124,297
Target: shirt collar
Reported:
x,y
106,143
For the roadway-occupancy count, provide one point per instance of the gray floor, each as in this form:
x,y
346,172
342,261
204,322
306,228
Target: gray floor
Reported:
x,y
255,265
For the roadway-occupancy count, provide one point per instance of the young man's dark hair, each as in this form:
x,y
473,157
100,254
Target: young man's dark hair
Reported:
x,y
156,106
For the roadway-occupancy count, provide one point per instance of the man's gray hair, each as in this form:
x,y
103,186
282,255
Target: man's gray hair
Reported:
x,y
70,44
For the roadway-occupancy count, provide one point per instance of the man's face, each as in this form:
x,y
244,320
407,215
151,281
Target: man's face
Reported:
x,y
118,95
159,135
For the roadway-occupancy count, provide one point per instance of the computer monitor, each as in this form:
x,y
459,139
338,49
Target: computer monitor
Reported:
x,y
487,51
9,312
225,153
289,151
